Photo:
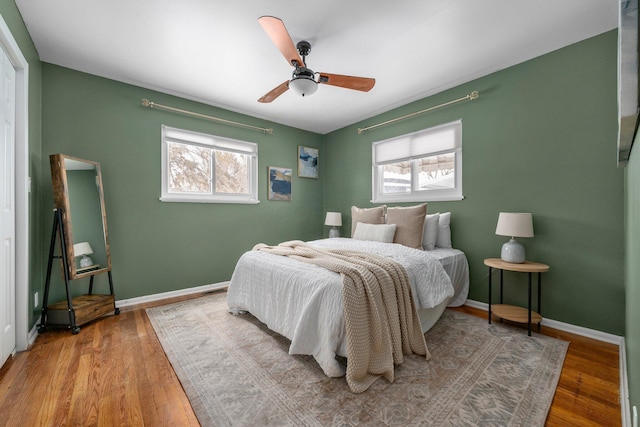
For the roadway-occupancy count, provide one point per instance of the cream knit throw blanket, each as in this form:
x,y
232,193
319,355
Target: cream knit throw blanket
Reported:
x,y
381,321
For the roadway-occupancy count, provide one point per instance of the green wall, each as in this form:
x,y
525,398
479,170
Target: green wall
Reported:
x,y
14,22
157,246
632,338
541,138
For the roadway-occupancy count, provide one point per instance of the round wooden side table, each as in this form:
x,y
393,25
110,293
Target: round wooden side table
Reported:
x,y
511,312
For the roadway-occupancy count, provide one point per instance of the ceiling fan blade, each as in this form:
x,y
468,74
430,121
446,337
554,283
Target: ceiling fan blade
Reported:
x,y
275,92
275,29
364,84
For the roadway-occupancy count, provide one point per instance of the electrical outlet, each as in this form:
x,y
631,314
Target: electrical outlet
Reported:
x,y
35,300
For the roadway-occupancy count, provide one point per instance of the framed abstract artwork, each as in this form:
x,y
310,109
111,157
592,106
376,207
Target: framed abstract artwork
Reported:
x,y
279,183
307,162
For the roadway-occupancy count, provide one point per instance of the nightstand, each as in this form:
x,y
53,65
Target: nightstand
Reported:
x,y
511,312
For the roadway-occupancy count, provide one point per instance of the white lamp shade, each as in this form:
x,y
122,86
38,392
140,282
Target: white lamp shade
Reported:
x,y
515,224
333,219
303,86
83,248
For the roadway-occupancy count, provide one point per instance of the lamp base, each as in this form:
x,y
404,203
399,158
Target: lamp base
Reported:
x,y
513,252
85,261
334,232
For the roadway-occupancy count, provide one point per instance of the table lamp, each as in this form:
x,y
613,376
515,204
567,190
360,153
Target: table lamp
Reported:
x,y
514,225
83,249
333,219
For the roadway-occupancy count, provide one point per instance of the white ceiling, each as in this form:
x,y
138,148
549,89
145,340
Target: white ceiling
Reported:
x,y
215,52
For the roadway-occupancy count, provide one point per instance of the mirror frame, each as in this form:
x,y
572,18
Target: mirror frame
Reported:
x,y
61,202
628,76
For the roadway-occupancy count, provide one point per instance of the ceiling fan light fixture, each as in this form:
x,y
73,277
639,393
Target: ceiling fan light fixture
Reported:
x,y
303,80
303,85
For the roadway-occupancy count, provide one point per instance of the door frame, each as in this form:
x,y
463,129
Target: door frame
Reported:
x,y
22,183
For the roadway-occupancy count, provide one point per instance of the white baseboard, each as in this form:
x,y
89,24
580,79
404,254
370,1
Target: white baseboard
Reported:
x,y
625,404
164,295
567,327
596,335
33,334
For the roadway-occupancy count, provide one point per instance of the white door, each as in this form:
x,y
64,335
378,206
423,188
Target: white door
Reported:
x,y
7,209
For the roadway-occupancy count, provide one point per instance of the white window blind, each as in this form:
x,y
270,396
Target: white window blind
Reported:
x,y
420,166
198,167
419,144
195,138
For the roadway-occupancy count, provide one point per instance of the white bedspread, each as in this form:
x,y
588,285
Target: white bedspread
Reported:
x,y
304,302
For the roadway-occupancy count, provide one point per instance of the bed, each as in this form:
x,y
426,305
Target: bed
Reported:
x,y
303,302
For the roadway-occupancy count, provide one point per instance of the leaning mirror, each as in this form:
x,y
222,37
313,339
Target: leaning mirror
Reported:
x,y
77,192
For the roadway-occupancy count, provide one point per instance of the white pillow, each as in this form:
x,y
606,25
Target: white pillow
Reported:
x,y
444,231
430,231
375,232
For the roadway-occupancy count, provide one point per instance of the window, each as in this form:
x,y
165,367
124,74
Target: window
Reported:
x,y
420,166
197,167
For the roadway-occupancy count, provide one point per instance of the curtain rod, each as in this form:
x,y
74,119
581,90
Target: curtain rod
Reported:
x,y
473,95
147,103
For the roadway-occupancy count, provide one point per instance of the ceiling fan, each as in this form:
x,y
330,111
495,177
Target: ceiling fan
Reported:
x,y
303,80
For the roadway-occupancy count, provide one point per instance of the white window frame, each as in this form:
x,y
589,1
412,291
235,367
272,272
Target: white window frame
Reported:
x,y
182,136
411,147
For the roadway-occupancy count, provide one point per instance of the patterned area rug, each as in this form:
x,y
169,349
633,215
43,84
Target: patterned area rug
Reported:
x,y
236,372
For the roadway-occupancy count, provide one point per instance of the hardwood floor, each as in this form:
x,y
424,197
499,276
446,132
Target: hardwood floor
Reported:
x,y
115,373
